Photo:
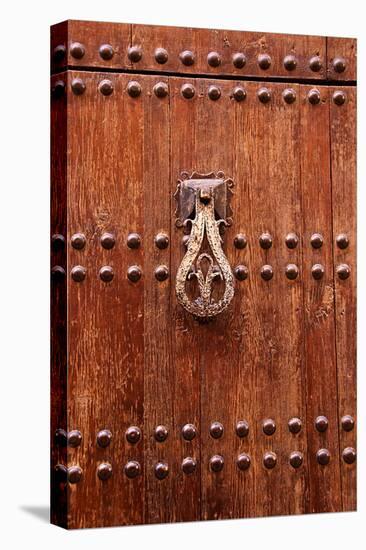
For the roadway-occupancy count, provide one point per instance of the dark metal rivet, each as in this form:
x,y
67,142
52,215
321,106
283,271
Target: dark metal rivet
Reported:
x,y
317,271
315,64
57,241
58,273
267,272
189,432
78,86
74,438
240,241
214,59
321,423
161,433
292,240
106,87
161,273
289,95
161,55
214,93
61,437
243,461
161,470
104,471
133,434
134,273
269,426
290,62
264,61
270,460
296,459
294,425
104,438
348,423
239,60
343,271
323,457
242,428
349,455
60,473
162,240
292,271
339,98
133,88
189,465
216,430
187,91
339,65
74,474
78,273
132,469
316,240
216,463
58,88
342,241
241,272
107,240
77,50
78,241
59,53
133,240
106,52
134,54
187,57
161,89
106,273
239,93
314,96
264,95
265,240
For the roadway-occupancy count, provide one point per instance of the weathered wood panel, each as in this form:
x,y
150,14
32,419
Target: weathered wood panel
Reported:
x,y
342,58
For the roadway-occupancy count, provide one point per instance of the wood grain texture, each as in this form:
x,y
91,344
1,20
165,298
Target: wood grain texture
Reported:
x,y
345,48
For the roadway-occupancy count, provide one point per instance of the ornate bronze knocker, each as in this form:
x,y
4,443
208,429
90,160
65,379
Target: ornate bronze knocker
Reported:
x,y
203,206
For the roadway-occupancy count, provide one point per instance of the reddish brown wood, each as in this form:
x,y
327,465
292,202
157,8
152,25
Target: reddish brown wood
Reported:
x,y
342,49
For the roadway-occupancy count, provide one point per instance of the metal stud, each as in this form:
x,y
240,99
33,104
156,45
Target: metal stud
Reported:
x,y
269,426
189,432
57,241
106,87
314,96
189,465
243,461
161,433
58,89
58,273
133,240
214,93
187,57
294,425
316,240
74,438
104,471
59,53
323,457
161,273
339,97
239,94
78,273
161,89
347,423
61,437
216,463
187,91
162,241
317,271
264,95
132,469
77,50
315,64
161,56
349,455
292,271
296,459
265,240
104,438
134,54
216,430
133,88
290,62
74,474
264,61
78,241
106,273
214,59
339,64
161,470
241,272
292,240
133,434
267,272
270,460
78,86
321,423
240,241
342,241
134,273
239,60
343,271
106,52
60,472
242,428
107,240
289,95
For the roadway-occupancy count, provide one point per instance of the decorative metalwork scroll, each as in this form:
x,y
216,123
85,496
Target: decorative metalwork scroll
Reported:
x,y
203,208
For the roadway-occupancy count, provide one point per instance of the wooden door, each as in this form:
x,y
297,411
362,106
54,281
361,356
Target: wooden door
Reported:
x,y
158,415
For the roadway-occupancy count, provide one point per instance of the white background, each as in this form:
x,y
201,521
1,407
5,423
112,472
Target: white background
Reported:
x,y
24,288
